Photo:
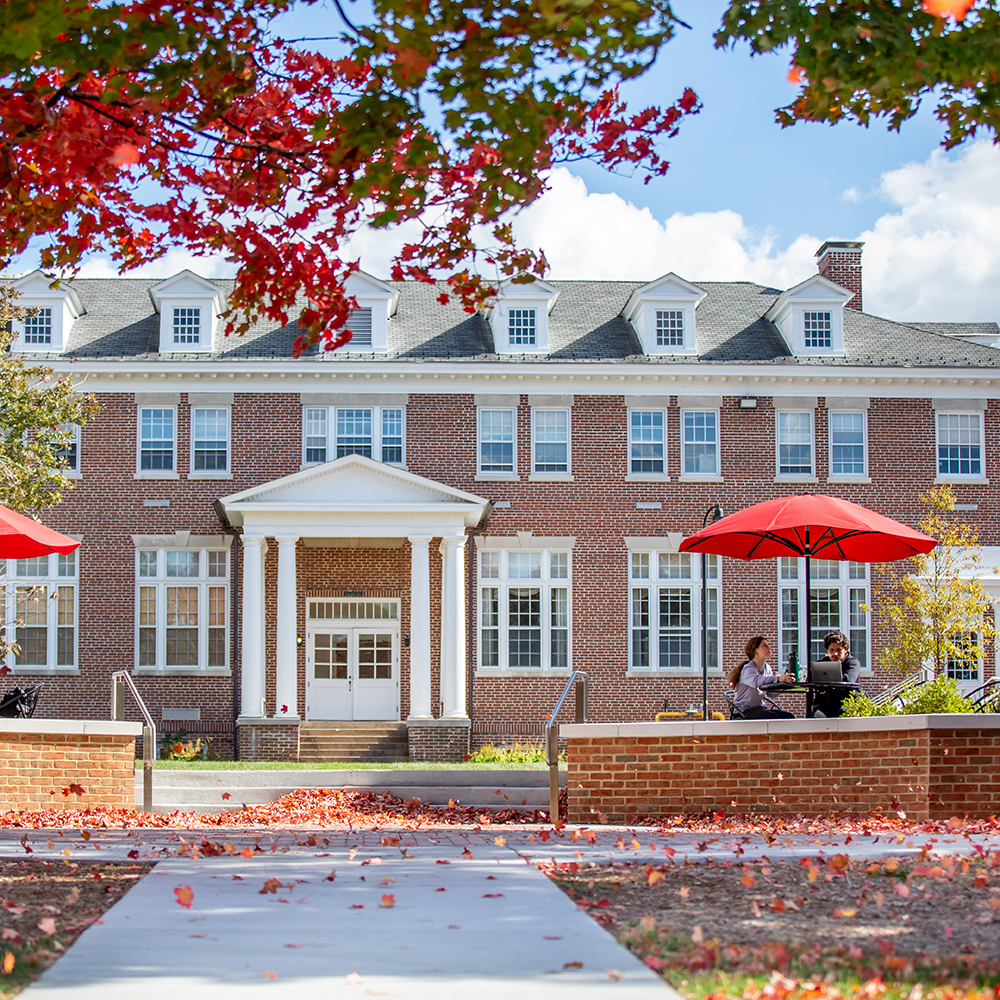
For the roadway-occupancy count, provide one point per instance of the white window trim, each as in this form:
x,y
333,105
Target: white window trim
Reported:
x,y
76,473
799,477
203,582
957,477
482,476
653,584
331,431
50,581
845,585
851,477
654,477
545,583
542,476
226,473
710,477
141,473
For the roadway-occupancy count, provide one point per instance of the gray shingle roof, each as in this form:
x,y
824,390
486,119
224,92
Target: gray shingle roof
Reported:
x,y
585,325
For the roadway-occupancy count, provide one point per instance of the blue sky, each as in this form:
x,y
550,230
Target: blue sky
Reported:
x,y
747,200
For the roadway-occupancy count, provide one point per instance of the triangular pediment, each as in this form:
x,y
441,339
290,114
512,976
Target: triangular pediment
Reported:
x,y
351,483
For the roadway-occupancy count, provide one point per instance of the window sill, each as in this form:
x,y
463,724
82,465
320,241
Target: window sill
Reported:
x,y
44,671
862,480
647,477
700,479
661,672
72,475
524,672
156,475
498,477
180,672
551,477
796,479
210,475
961,480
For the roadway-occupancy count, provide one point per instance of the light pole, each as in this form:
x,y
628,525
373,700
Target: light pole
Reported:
x,y
711,515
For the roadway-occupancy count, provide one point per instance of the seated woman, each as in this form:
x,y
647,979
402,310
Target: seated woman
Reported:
x,y
829,703
751,676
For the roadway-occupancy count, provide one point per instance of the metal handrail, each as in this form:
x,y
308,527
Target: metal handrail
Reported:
x,y
578,677
121,679
914,679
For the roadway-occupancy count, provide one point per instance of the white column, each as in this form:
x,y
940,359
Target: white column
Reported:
x,y
453,637
420,628
252,658
286,682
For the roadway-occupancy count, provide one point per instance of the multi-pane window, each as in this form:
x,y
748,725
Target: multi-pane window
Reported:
x,y
38,327
187,325
817,329
210,439
960,444
848,451
646,442
839,601
377,432
549,441
157,428
794,442
41,605
524,609
669,328
69,455
964,666
497,441
665,610
521,327
182,600
700,442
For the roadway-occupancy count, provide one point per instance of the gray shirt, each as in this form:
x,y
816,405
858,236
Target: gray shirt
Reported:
x,y
752,679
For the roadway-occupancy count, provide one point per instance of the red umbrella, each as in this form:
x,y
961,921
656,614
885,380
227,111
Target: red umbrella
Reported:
x,y
811,526
23,538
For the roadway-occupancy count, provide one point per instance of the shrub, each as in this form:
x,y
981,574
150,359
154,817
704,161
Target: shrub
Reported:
x,y
940,695
858,704
511,753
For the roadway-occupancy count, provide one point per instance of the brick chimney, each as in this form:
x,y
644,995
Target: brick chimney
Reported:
x,y
840,262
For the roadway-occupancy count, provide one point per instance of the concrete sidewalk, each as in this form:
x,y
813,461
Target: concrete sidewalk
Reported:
x,y
471,915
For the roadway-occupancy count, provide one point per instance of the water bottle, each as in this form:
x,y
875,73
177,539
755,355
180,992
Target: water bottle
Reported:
x,y
793,665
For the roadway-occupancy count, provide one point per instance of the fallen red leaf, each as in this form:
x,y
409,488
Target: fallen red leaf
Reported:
x,y
184,895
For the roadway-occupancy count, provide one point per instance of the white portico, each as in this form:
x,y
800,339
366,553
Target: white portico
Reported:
x,y
353,499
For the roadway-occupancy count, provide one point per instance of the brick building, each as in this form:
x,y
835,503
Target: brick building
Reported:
x,y
437,523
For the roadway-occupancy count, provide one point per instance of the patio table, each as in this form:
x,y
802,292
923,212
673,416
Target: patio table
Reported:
x,y
809,688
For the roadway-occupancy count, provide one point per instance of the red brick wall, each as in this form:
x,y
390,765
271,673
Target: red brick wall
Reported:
x,y
264,742
597,507
928,773
438,743
38,766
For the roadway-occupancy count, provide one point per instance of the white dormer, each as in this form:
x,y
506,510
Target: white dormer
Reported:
x,y
662,314
810,317
189,308
53,311
520,317
369,323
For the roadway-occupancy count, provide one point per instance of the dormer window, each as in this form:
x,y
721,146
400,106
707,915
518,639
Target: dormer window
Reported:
x,y
187,326
817,329
662,314
49,312
521,327
810,317
189,308
520,317
38,327
669,328
377,301
360,325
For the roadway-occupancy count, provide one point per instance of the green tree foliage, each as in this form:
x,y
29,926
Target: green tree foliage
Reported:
x,y
937,696
866,60
34,407
938,609
270,152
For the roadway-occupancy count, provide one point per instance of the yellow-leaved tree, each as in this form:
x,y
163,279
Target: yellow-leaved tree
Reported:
x,y
938,611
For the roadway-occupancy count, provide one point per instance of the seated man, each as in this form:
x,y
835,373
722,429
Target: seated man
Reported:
x,y
829,702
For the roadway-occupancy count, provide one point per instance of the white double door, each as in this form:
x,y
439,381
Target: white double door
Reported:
x,y
352,673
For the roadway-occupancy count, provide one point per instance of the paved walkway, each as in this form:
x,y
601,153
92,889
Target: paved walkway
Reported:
x,y
470,914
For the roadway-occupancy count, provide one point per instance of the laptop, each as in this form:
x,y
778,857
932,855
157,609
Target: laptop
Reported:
x,y
826,672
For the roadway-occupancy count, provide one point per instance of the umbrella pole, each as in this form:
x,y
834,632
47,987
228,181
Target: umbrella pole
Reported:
x,y
808,658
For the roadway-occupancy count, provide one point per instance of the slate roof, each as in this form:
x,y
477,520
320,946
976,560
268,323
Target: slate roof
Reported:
x,y
584,326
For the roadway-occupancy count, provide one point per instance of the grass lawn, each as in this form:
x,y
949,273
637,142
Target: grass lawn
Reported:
x,y
277,765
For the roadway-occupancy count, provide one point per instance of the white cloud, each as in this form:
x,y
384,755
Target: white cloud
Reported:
x,y
852,194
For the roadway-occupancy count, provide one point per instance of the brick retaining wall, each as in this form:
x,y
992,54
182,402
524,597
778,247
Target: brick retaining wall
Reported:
x,y
437,739
928,766
42,757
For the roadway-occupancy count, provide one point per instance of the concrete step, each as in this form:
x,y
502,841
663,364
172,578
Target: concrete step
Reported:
x,y
202,790
346,742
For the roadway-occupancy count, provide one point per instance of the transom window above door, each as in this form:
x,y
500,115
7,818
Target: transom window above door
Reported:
x,y
331,432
